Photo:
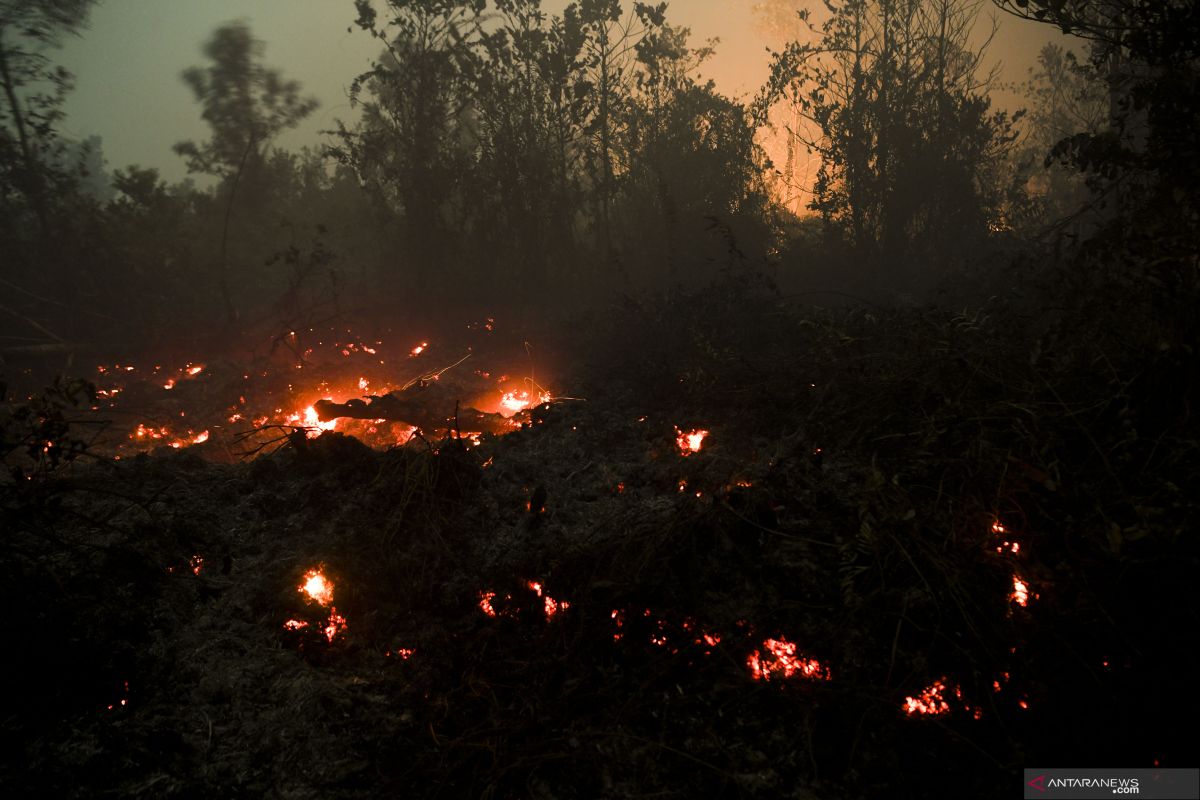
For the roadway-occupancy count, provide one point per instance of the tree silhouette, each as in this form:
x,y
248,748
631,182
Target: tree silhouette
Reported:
x,y
246,106
33,92
408,149
896,100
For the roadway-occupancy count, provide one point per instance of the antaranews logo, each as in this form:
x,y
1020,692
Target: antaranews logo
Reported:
x,y
1159,783
1117,785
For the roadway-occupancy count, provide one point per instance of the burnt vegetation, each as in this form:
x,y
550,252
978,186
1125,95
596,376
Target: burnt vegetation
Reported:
x,y
881,485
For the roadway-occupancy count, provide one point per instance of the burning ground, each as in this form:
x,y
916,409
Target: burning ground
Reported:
x,y
820,555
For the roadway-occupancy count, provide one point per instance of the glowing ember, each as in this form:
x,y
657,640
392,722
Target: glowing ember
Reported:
x,y
1020,592
690,441
404,653
317,587
170,384
142,432
704,638
930,702
1005,545
320,589
196,563
416,351
485,603
124,701
658,639
783,662
553,606
335,626
195,369
363,384
549,605
200,438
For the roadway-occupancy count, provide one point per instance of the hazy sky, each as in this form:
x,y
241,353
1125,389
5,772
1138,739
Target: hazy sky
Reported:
x,y
127,65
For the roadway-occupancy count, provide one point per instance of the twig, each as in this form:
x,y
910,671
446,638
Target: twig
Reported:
x,y
48,301
429,376
34,324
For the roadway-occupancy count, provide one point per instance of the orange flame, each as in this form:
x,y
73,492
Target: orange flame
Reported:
x,y
515,401
313,421
317,587
689,442
308,419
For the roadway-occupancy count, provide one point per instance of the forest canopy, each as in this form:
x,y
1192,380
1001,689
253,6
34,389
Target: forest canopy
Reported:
x,y
539,157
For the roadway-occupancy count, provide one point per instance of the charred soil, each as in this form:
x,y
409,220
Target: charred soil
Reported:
x,y
767,552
